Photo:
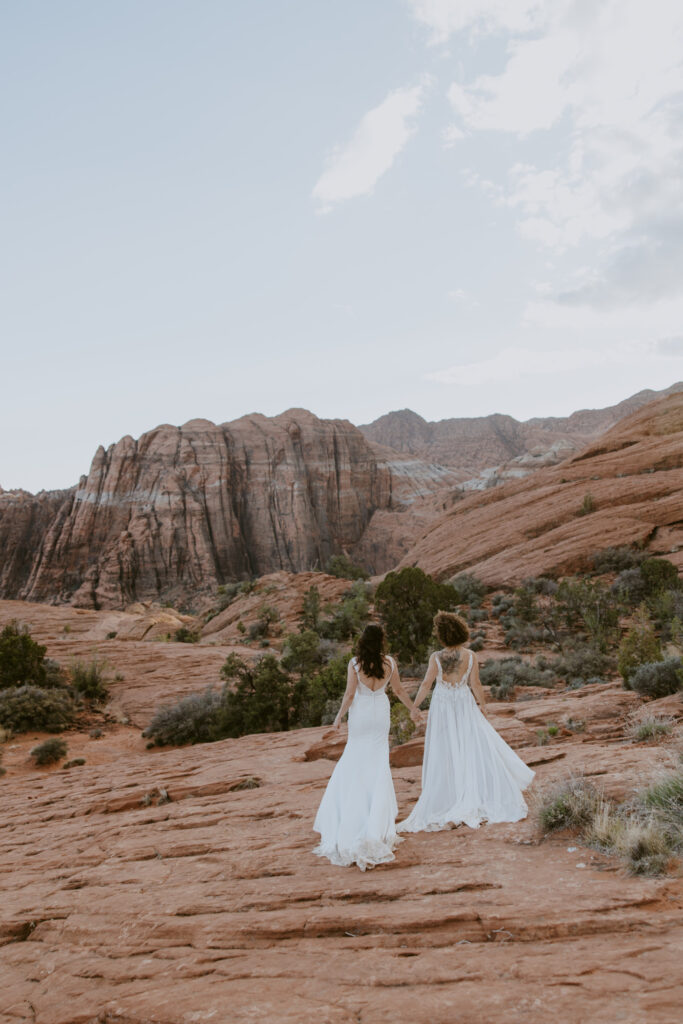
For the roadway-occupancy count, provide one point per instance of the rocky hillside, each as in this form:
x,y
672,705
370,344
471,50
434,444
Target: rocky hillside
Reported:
x,y
626,488
472,444
178,885
182,509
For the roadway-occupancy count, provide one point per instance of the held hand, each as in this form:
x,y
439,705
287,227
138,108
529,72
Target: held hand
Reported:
x,y
337,724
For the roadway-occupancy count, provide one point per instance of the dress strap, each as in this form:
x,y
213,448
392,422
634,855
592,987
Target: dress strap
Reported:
x,y
439,674
469,667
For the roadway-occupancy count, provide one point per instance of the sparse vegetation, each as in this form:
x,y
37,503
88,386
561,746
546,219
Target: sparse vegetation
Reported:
x,y
407,601
24,708
616,559
640,646
645,833
185,635
649,727
49,752
88,680
504,674
75,762
402,726
191,720
588,505
658,678
310,612
342,567
22,659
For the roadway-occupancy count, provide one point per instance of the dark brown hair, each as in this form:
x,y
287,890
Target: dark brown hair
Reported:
x,y
451,629
370,650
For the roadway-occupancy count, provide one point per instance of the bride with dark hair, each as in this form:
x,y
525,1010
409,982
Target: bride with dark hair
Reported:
x,y
357,814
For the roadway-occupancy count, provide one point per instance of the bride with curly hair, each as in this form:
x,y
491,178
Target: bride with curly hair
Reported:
x,y
469,773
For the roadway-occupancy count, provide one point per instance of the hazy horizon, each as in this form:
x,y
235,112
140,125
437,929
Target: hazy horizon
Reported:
x,y
460,207
282,412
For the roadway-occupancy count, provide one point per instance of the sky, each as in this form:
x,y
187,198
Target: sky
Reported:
x,y
210,208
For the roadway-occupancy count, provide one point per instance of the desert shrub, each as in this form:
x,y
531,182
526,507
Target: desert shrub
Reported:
x,y
321,692
477,615
267,615
185,635
257,698
664,800
658,678
468,590
570,803
25,708
645,846
629,587
191,720
649,727
588,505
477,644
502,605
666,608
88,680
349,617
49,752
640,646
402,726
524,608
659,574
22,660
75,762
616,559
540,585
302,653
407,601
582,663
504,674
342,567
522,636
591,605
310,612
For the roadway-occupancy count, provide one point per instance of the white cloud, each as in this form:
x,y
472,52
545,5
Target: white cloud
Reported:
x,y
607,78
444,17
354,169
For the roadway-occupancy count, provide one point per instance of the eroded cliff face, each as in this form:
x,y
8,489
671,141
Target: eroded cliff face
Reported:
x,y
184,508
633,476
24,521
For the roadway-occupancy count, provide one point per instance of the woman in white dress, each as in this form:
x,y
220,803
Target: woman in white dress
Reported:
x,y
357,814
469,773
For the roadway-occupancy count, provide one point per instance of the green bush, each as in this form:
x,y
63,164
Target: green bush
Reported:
x,y
349,617
22,660
649,727
342,567
592,606
192,719
658,678
468,590
302,653
402,726
629,587
185,635
28,708
256,698
616,559
583,663
588,505
504,674
569,803
407,601
659,574
310,612
49,752
88,680
640,646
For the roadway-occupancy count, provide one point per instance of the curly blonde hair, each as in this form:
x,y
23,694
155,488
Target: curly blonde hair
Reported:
x,y
451,629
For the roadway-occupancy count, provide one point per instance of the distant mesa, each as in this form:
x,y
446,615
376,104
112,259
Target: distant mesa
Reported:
x,y
181,510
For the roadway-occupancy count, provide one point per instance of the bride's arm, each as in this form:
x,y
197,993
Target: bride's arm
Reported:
x,y
349,693
476,687
426,684
398,688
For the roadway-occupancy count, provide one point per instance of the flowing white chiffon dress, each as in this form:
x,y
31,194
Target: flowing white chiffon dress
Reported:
x,y
469,773
357,814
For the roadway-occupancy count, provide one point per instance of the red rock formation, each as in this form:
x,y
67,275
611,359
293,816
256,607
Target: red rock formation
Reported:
x,y
470,444
634,475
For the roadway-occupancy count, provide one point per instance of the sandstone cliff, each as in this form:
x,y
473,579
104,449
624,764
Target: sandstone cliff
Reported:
x,y
472,444
183,509
625,488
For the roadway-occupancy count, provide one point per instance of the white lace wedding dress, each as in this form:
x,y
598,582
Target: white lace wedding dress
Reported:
x,y
357,814
469,773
